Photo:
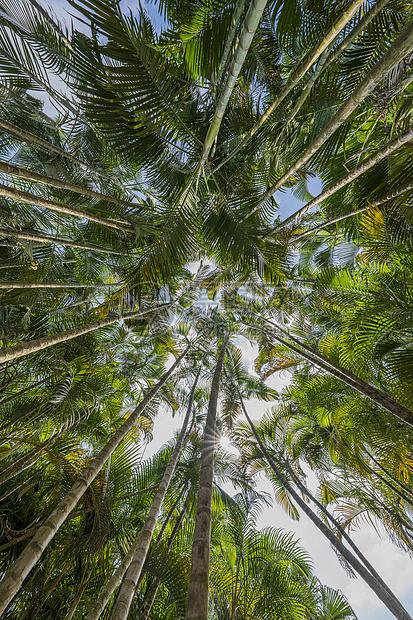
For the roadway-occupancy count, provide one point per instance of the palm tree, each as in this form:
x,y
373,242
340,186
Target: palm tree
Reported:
x,y
197,605
381,591
131,567
22,566
168,150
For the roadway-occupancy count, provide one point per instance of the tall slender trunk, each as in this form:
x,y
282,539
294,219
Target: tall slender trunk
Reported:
x,y
16,266
27,136
40,238
239,8
16,574
24,173
338,525
394,481
383,593
396,52
394,194
385,151
78,596
39,201
197,605
31,346
154,590
133,562
371,392
32,531
349,378
298,72
4,284
250,25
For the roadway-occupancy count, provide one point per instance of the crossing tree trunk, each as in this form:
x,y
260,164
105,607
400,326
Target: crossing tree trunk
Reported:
x,y
41,238
39,201
30,175
349,378
299,71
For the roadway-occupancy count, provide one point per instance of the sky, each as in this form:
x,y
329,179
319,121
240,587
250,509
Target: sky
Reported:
x,y
394,565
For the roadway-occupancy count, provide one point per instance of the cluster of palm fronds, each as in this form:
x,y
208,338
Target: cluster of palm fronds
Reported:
x,y
130,153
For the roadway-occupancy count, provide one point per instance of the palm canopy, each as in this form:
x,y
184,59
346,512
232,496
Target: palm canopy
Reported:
x,y
167,152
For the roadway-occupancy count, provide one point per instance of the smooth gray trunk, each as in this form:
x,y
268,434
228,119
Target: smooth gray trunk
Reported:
x,y
31,346
298,72
154,590
250,25
391,196
40,238
349,378
32,199
197,605
24,173
239,8
385,151
50,285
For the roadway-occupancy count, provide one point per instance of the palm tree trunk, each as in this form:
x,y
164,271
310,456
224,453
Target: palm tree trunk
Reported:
x,y
31,346
349,378
24,173
329,55
32,531
396,52
32,199
384,594
27,136
78,596
375,203
197,605
16,266
16,574
133,562
299,71
154,590
338,525
230,37
371,392
51,285
250,25
39,238
394,481
386,150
